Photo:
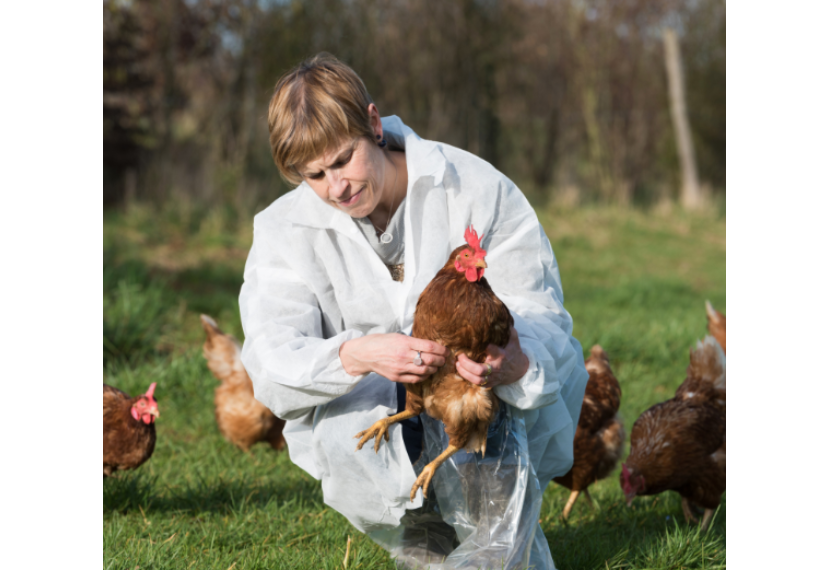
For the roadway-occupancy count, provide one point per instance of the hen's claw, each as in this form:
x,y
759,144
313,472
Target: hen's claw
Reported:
x,y
380,428
422,482
425,477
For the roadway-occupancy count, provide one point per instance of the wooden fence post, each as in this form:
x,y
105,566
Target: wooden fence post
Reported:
x,y
690,196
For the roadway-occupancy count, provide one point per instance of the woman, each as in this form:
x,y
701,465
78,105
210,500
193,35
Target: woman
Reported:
x,y
333,277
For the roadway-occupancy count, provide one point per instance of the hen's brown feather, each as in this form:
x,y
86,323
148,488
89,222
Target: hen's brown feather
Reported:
x,y
717,325
600,435
674,446
680,444
705,382
242,419
127,442
465,317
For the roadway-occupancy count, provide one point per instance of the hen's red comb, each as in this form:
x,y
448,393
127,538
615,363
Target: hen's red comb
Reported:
x,y
150,390
472,238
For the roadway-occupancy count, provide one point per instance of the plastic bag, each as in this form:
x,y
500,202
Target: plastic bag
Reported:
x,y
480,512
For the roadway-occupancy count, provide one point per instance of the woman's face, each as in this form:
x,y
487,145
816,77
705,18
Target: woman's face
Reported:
x,y
349,177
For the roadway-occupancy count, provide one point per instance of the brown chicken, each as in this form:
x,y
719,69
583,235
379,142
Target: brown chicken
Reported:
x,y
600,435
680,444
242,420
465,408
717,325
129,428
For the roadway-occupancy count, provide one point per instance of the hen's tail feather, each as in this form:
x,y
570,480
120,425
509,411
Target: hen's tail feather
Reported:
x,y
598,352
708,362
210,326
711,313
222,353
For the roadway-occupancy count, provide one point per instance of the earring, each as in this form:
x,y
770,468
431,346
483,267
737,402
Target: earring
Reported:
x,y
382,143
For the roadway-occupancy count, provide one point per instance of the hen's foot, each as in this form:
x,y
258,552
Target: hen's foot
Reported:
x,y
428,472
423,481
687,511
381,428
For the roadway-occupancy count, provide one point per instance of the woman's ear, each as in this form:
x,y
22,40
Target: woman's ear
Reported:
x,y
374,121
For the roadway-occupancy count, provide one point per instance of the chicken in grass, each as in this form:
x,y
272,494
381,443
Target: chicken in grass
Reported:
x,y
466,409
680,445
717,325
242,420
129,428
600,435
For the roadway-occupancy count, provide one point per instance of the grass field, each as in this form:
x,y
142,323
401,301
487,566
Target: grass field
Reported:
x,y
635,282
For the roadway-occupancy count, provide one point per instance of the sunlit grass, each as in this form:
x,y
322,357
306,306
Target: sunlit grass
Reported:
x,y
634,282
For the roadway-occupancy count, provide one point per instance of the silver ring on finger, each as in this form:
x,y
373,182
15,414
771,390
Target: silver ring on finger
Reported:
x,y
417,360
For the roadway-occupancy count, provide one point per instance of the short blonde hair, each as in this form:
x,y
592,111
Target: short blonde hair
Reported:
x,y
315,106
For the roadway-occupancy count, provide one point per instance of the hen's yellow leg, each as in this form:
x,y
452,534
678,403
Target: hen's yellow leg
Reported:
x,y
571,501
687,511
590,499
381,428
426,475
707,518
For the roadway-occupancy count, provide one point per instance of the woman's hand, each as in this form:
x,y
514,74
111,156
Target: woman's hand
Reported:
x,y
392,356
507,365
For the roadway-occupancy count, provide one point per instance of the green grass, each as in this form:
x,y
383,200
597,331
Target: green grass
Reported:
x,y
634,282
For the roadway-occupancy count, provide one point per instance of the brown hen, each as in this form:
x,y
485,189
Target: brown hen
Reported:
x,y
680,444
717,325
129,428
459,310
242,420
600,435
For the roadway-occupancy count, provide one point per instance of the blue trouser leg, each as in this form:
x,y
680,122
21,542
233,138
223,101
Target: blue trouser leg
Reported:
x,y
413,431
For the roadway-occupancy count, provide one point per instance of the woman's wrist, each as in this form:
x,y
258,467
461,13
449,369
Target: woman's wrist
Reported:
x,y
522,370
347,358
512,371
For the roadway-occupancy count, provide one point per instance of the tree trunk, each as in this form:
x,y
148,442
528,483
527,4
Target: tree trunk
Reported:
x,y
542,170
690,196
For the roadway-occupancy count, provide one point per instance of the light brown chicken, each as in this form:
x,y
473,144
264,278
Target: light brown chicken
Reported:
x,y
600,435
717,325
459,310
242,420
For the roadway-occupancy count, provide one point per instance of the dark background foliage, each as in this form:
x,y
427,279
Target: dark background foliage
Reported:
x,y
567,97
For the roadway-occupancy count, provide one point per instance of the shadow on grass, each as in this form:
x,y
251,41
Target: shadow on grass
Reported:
x,y
625,539
142,493
144,305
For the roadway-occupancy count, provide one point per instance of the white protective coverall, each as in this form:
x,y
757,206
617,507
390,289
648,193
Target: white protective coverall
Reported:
x,y
312,282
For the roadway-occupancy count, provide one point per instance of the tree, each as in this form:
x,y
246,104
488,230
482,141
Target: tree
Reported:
x,y
690,189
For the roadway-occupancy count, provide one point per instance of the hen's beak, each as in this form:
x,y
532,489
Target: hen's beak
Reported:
x,y
154,412
481,263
